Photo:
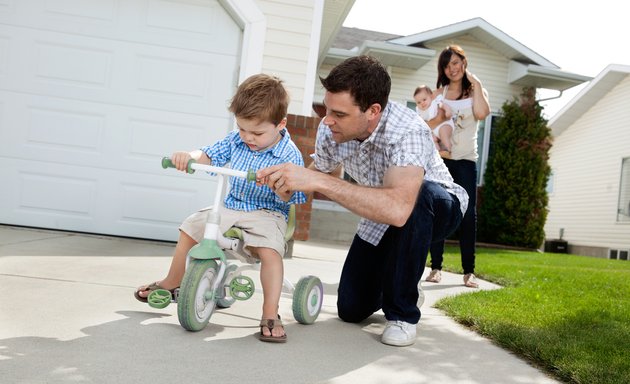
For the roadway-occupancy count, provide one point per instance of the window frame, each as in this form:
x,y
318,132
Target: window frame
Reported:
x,y
483,145
623,199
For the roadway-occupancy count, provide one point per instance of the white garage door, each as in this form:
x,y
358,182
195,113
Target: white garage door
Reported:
x,y
93,93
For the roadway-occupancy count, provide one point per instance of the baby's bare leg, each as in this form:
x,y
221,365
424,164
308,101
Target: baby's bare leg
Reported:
x,y
446,131
436,141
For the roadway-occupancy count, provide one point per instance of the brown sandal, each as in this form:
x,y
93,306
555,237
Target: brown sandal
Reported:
x,y
149,288
271,324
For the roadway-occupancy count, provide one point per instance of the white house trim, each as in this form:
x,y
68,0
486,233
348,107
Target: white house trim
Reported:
x,y
598,87
254,23
313,57
482,30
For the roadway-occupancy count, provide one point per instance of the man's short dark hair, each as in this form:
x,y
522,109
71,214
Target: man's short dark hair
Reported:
x,y
364,77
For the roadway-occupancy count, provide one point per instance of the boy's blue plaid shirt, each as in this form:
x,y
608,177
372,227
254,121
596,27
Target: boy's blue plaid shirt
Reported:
x,y
245,195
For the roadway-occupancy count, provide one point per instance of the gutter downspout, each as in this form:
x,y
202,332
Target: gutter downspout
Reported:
x,y
551,98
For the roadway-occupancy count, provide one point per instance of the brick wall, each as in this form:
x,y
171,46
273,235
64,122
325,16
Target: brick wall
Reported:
x,y
303,130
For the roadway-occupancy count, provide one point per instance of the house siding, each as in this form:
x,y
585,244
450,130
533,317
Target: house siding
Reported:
x,y
287,45
485,63
586,163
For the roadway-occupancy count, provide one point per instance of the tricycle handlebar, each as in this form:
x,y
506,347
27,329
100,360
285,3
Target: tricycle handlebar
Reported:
x,y
250,175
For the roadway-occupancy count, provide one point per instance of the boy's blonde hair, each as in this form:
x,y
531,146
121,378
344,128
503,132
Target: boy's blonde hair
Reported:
x,y
261,97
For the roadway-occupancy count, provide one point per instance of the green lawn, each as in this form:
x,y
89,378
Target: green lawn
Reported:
x,y
569,315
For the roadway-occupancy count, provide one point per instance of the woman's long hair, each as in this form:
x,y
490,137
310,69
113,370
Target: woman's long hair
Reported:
x,y
443,60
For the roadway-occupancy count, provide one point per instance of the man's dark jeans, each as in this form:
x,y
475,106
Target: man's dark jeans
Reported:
x,y
386,276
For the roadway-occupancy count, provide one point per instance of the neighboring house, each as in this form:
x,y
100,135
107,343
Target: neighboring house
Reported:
x,y
503,64
589,199
94,93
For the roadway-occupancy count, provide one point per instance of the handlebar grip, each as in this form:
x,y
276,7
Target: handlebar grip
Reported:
x,y
167,163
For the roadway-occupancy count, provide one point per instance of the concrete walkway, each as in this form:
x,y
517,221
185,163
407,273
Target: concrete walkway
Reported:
x,y
68,314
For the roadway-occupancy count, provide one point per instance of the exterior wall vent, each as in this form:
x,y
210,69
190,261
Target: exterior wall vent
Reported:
x,y
618,254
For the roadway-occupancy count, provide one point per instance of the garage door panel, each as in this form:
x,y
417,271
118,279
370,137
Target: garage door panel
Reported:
x,y
4,57
113,137
56,194
144,76
45,195
7,7
183,24
198,85
176,136
65,130
79,10
94,93
143,138
72,64
101,200
153,206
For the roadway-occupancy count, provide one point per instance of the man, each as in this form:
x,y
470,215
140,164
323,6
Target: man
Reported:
x,y
405,195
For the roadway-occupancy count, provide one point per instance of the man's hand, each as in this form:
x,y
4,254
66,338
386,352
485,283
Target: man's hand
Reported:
x,y
285,178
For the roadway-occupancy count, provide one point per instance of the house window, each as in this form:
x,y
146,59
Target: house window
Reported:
x,y
623,205
549,187
484,145
618,254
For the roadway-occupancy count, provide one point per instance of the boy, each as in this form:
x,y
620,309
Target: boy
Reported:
x,y
260,107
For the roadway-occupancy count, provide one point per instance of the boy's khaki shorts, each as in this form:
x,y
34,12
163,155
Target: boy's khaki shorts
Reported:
x,y
261,228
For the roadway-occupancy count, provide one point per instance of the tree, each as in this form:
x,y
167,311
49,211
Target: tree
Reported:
x,y
514,199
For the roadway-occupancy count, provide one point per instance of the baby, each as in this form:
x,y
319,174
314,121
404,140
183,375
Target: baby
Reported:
x,y
427,107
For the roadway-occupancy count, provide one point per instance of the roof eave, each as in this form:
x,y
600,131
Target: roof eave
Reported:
x,y
393,55
531,75
603,83
483,31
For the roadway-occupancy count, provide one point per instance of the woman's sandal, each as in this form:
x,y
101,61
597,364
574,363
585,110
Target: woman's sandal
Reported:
x,y
271,324
470,281
149,288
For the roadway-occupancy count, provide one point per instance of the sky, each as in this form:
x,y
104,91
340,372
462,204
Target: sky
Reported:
x,y
581,39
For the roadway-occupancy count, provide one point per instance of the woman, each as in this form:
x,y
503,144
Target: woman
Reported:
x,y
463,93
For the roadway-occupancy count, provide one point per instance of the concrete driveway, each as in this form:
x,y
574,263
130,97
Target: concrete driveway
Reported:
x,y
68,315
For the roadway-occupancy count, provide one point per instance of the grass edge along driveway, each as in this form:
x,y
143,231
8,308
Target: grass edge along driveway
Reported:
x,y
567,314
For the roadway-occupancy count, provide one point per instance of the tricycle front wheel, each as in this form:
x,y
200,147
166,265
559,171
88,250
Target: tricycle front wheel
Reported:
x,y
197,297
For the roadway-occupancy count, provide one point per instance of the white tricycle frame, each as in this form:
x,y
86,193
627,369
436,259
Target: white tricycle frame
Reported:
x,y
211,280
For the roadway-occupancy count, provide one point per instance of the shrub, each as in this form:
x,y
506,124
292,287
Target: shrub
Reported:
x,y
513,200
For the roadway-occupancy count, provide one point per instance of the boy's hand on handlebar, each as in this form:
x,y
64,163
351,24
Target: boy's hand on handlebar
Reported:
x,y
180,160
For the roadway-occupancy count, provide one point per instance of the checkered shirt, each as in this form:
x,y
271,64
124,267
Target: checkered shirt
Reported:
x,y
245,195
401,138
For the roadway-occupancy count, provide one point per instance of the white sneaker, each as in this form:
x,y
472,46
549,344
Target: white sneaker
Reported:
x,y
399,333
